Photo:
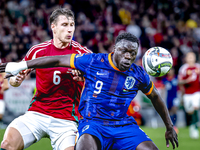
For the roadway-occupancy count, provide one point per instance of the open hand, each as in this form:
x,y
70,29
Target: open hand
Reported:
x,y
170,135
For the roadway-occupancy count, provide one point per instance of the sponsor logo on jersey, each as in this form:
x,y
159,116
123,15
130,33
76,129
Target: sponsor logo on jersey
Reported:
x,y
98,73
85,128
129,82
103,73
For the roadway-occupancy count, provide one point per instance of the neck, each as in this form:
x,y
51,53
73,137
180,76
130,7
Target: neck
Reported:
x,y
59,44
112,58
170,76
191,64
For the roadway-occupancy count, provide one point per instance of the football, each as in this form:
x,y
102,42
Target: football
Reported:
x,y
157,61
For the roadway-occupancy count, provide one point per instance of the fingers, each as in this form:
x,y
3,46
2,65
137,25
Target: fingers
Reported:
x,y
77,75
27,71
20,76
76,72
167,143
176,141
172,142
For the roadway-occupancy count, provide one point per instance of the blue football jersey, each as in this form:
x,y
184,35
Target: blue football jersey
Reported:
x,y
108,91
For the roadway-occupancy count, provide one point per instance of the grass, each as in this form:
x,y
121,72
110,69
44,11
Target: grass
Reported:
x,y
43,144
185,142
157,135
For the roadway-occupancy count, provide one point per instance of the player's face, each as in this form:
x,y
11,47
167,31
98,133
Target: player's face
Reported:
x,y
190,58
124,54
63,29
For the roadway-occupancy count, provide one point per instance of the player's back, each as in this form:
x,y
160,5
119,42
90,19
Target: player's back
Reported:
x,y
57,94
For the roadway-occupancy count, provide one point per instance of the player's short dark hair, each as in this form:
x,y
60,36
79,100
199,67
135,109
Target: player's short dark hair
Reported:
x,y
60,11
127,36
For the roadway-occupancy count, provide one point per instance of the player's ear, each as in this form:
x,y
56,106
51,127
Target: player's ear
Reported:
x,y
53,27
114,47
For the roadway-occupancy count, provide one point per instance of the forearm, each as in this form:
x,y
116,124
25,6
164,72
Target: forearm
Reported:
x,y
161,108
42,62
50,61
182,82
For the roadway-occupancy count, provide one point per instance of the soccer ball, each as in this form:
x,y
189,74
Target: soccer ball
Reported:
x,y
157,61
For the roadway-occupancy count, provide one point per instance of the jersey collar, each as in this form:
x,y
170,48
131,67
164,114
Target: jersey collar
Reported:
x,y
111,62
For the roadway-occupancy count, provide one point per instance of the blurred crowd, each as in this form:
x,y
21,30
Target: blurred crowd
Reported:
x,y
172,24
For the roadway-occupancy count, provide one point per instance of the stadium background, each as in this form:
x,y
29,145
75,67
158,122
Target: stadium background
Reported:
x,y
172,24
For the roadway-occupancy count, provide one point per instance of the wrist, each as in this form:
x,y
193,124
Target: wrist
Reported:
x,y
15,68
169,127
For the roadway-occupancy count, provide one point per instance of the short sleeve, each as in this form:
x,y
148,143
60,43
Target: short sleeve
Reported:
x,y
81,61
146,85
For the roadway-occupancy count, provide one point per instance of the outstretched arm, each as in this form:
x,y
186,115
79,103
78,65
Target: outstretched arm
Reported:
x,y
42,62
159,105
50,61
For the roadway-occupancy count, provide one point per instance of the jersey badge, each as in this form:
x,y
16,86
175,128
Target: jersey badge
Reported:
x,y
129,82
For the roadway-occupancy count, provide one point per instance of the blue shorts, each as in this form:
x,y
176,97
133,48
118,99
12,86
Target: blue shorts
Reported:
x,y
114,137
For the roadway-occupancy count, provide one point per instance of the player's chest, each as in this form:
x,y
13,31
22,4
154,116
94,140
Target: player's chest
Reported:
x,y
114,82
192,72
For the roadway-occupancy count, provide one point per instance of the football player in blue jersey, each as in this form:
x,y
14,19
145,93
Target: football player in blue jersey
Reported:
x,y
111,82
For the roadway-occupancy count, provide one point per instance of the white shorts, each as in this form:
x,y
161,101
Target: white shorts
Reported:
x,y
2,107
61,132
191,101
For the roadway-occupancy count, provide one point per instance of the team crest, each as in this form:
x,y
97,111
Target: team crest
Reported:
x,y
129,83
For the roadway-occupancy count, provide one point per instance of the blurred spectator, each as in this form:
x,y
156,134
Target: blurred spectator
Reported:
x,y
134,111
173,25
188,80
171,86
134,29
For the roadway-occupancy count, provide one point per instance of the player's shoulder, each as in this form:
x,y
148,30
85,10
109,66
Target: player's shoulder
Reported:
x,y
138,72
78,47
100,56
183,70
95,56
38,47
137,68
183,67
197,65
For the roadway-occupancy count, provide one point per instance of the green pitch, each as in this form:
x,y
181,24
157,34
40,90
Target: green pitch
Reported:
x,y
157,135
185,142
